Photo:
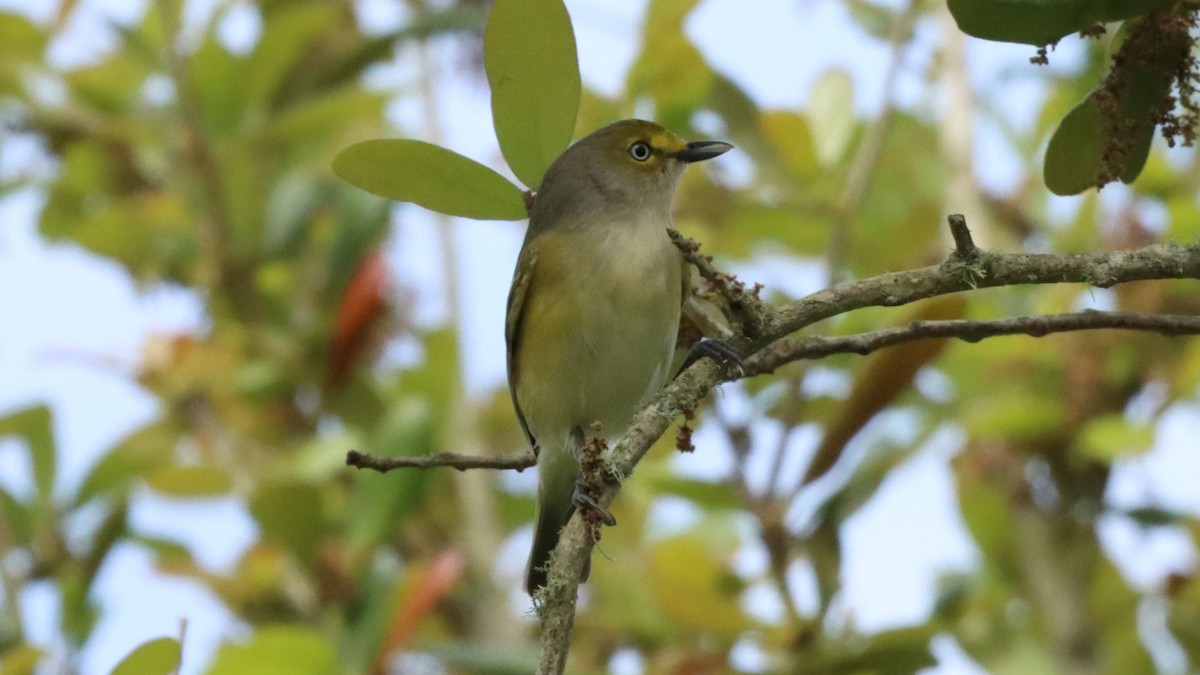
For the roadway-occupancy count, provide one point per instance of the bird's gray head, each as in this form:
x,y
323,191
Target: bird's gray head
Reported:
x,y
630,166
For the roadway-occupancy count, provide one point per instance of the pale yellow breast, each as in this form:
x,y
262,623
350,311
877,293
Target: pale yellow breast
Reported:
x,y
600,326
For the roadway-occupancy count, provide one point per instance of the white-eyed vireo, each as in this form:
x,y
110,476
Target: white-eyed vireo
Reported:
x,y
595,303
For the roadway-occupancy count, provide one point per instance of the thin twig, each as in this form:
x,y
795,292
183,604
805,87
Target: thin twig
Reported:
x,y
964,245
777,540
795,349
775,484
1100,270
746,308
768,510
454,460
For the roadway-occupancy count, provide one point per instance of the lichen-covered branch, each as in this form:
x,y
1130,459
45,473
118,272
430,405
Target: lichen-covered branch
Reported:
x,y
787,350
1100,270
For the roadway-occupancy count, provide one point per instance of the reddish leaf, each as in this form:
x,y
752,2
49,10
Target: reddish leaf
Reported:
x,y
363,306
419,597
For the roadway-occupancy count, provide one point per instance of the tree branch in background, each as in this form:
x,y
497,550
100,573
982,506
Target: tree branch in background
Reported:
x,y
745,308
787,350
989,270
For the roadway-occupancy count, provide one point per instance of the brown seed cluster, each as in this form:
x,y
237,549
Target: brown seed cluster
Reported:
x,y
1154,57
1180,112
591,478
1042,57
683,437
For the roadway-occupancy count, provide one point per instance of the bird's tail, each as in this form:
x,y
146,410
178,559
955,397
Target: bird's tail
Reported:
x,y
556,491
545,538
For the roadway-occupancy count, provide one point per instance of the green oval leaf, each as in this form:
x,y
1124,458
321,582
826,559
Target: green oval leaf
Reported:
x,y
1075,155
1042,22
670,70
189,481
34,425
831,115
290,514
1112,437
21,660
156,657
23,43
290,205
286,38
790,135
277,649
136,456
430,176
23,39
533,70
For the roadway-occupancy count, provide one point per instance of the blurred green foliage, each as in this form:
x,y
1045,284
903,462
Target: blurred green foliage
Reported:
x,y
188,163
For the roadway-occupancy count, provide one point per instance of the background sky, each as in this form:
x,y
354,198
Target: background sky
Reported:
x,y
77,325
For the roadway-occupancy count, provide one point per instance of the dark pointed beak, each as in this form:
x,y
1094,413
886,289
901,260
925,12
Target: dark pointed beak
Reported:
x,y
698,151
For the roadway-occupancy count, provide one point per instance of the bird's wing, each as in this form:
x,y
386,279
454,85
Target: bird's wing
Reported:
x,y
522,279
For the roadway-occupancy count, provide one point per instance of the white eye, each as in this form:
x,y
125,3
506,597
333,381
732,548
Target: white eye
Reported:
x,y
640,151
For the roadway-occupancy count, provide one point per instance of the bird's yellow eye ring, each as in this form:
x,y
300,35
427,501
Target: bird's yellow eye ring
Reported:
x,y
640,151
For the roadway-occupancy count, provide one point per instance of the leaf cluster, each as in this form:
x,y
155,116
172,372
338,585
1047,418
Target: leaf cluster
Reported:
x,y
1149,85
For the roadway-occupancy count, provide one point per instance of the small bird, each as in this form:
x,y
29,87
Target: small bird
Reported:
x,y
594,308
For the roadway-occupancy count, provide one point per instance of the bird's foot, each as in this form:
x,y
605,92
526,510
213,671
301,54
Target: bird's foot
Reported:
x,y
591,509
719,351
